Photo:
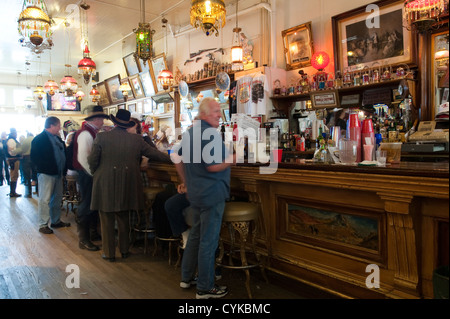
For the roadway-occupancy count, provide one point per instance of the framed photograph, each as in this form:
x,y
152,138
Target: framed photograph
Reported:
x,y
132,66
136,86
298,46
139,107
113,110
132,107
113,85
159,63
104,96
148,106
147,83
121,107
363,38
130,91
226,115
445,96
325,99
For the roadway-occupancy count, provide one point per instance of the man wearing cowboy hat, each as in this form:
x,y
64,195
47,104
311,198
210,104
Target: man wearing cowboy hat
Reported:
x,y
83,141
117,189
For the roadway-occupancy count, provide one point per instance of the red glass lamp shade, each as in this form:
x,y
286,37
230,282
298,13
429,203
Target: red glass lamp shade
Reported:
x,y
94,95
422,14
165,78
68,85
51,87
86,66
320,60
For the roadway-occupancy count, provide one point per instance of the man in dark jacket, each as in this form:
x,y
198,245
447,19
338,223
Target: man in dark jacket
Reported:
x,y
48,155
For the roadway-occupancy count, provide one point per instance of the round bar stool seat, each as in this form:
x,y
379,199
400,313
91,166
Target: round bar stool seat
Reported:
x,y
150,196
240,217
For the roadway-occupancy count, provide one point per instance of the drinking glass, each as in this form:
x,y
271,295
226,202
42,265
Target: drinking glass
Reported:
x,y
381,157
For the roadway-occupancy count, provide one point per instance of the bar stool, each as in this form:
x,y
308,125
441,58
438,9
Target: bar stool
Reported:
x,y
241,217
171,241
71,194
150,195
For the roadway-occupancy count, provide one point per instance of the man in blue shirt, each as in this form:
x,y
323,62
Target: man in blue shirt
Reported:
x,y
205,168
48,155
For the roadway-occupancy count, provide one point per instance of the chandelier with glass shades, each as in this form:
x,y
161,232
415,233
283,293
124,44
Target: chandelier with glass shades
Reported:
x,y
144,38
421,15
34,26
208,15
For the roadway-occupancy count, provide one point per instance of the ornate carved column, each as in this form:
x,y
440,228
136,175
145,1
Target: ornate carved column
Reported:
x,y
402,240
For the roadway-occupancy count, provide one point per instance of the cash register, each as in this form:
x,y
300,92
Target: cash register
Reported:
x,y
431,136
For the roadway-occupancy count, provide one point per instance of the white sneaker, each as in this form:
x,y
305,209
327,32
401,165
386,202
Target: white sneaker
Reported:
x,y
187,285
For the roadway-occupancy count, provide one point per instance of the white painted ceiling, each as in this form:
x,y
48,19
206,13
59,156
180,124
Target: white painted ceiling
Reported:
x,y
110,24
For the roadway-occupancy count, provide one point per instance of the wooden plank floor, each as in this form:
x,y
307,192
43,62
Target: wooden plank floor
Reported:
x,y
33,265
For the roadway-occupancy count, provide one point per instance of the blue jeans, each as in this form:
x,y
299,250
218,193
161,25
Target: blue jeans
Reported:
x,y
174,207
50,197
201,246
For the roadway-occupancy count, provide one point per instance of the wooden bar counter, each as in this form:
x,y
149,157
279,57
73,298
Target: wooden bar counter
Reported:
x,y
330,226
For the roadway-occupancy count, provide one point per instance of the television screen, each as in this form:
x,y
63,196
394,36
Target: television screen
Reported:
x,y
59,102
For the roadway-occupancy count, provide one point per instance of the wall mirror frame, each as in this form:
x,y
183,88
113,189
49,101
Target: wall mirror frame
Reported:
x,y
439,71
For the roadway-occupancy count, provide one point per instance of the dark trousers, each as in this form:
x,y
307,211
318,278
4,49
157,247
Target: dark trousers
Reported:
x,y
174,208
4,166
27,172
86,217
107,222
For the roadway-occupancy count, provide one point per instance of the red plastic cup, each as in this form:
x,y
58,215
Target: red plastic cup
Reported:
x,y
277,155
354,121
367,126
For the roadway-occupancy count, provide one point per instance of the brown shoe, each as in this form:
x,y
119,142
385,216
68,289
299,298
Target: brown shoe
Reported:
x,y
46,230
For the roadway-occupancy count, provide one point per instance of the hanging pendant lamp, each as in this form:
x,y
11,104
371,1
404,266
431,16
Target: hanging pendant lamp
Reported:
x,y
34,23
86,66
165,77
208,15
421,15
237,51
144,38
94,94
68,85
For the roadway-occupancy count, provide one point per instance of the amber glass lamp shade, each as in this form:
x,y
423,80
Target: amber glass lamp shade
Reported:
x,y
39,92
209,15
34,23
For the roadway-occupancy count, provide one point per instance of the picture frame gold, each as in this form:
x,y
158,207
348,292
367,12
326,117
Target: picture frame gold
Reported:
x,y
113,85
298,46
136,86
130,91
104,96
132,65
159,63
358,44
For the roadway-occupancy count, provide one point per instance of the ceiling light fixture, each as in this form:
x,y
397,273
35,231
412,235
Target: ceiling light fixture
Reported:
x,y
144,38
237,51
165,77
51,87
421,15
86,66
94,94
34,25
209,15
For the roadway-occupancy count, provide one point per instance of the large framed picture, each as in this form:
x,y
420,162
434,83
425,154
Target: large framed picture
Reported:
x,y
113,85
147,83
159,63
132,65
298,46
374,38
104,96
130,91
136,86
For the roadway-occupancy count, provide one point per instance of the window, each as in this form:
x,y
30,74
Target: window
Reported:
x,y
19,96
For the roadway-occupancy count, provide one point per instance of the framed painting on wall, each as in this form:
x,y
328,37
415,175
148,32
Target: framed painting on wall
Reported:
x,y
130,91
132,107
147,83
132,66
159,63
104,96
298,46
136,86
367,39
113,85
